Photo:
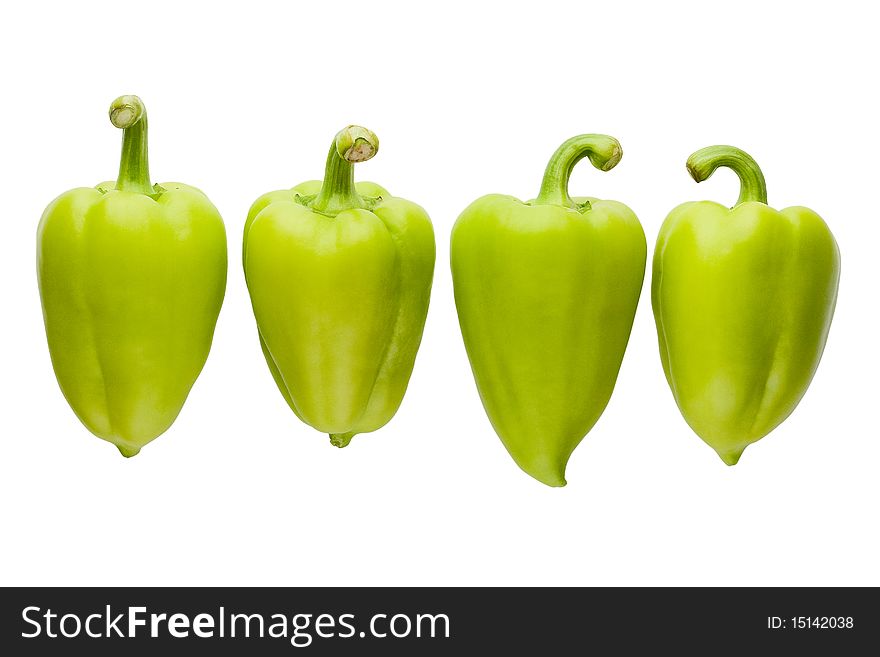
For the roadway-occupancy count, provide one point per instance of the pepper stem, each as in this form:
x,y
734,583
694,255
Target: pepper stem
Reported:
x,y
703,163
604,153
351,145
129,114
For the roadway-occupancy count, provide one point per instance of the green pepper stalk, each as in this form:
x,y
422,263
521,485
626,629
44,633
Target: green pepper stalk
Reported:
x,y
129,114
339,275
131,277
604,153
338,192
702,164
546,293
743,300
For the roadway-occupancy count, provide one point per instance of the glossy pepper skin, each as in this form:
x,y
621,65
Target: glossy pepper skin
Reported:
x,y
131,277
340,277
546,293
743,300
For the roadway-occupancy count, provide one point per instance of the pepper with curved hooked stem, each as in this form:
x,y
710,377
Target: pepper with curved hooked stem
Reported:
x,y
339,276
132,276
546,293
743,300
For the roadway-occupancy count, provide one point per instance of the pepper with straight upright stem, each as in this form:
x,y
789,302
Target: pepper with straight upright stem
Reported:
x,y
339,276
132,276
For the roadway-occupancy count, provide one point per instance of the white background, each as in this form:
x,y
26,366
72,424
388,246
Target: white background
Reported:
x,y
467,99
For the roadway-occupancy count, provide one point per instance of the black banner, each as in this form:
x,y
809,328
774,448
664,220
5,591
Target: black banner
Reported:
x,y
421,621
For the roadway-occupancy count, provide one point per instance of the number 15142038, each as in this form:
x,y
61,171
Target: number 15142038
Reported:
x,y
810,623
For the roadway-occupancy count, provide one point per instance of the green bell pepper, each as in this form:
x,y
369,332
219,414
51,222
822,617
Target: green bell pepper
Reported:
x,y
743,300
131,277
546,293
339,277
